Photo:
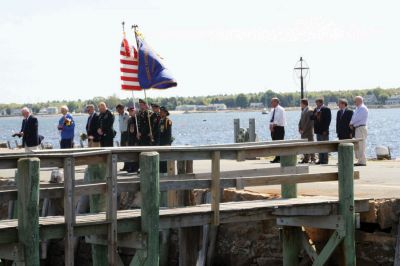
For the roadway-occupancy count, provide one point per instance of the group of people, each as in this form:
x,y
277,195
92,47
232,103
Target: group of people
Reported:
x,y
143,127
349,124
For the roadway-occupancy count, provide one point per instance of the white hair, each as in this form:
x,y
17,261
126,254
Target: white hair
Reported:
x,y
65,108
25,109
359,98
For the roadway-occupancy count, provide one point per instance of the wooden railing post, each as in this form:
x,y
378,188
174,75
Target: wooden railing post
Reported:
x,y
28,210
97,172
346,201
69,210
112,208
150,190
290,235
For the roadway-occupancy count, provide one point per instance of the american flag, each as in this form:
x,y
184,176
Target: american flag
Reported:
x,y
129,67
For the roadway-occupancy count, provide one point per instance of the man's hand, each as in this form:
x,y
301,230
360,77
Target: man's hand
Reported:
x,y
20,134
271,127
100,132
301,131
324,133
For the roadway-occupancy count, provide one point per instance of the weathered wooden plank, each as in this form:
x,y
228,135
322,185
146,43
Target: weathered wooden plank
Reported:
x,y
112,208
215,186
28,210
69,210
346,201
322,222
291,236
149,178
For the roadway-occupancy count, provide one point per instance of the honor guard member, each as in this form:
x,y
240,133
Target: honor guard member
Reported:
x,y
155,120
164,136
144,123
106,123
132,167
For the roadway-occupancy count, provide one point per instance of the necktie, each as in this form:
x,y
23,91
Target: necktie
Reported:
x,y
273,116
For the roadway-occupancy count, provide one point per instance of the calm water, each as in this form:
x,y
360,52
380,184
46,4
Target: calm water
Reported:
x,y
212,128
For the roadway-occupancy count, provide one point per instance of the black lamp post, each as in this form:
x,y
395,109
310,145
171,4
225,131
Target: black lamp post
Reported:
x,y
301,70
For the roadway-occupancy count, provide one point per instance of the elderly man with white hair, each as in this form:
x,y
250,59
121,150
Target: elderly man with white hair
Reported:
x,y
29,131
66,126
359,124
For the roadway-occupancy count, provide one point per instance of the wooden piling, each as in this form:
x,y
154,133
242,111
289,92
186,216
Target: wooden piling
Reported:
x,y
112,208
150,221
28,210
236,128
346,201
252,129
291,240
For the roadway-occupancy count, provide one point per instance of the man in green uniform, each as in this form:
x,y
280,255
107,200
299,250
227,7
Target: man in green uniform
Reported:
x,y
164,136
155,120
145,135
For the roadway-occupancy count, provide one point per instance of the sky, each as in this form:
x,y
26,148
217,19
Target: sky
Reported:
x,y
54,50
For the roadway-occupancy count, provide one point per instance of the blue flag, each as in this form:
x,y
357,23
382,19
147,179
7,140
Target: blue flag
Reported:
x,y
152,73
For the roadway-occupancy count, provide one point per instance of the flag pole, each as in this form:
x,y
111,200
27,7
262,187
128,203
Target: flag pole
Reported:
x,y
135,27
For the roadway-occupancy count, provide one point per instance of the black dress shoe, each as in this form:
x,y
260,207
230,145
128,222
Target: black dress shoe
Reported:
x,y
275,161
303,162
360,164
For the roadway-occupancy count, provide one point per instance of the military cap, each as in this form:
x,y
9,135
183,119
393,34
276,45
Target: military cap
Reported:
x,y
163,108
155,105
142,101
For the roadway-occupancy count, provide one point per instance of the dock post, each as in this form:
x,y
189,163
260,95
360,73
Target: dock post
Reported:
x,y
69,210
252,129
28,210
236,128
150,220
97,172
291,235
346,201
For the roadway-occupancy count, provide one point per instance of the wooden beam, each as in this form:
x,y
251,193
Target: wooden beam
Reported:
x,y
28,209
69,210
149,178
328,249
215,186
112,208
291,240
346,201
322,222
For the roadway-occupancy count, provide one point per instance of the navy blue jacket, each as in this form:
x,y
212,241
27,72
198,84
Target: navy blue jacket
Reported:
x,y
30,129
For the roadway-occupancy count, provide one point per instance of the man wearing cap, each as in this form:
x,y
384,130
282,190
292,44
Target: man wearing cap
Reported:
x,y
123,117
145,135
164,136
155,119
132,167
106,126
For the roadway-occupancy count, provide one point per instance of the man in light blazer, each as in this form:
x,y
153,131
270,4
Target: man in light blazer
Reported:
x,y
306,128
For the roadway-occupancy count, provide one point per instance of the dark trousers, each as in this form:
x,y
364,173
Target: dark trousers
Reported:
x,y
278,134
323,157
107,142
66,143
124,142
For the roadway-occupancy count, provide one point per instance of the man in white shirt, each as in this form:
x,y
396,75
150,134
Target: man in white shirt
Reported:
x,y
123,117
277,123
359,124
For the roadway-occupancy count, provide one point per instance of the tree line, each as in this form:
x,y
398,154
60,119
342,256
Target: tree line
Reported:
x,y
241,100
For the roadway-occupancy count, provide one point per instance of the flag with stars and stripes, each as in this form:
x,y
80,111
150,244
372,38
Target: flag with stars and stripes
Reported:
x,y
129,67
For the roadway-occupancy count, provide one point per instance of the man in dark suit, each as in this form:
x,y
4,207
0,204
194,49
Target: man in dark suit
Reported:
x,y
29,131
343,119
91,127
306,128
106,126
322,120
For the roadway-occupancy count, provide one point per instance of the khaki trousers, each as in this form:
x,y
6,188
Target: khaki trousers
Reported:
x,y
361,133
30,149
93,144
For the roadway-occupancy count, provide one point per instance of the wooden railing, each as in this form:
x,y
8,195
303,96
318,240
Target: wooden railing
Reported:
x,y
102,168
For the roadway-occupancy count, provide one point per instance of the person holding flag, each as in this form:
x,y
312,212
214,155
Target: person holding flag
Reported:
x,y
66,126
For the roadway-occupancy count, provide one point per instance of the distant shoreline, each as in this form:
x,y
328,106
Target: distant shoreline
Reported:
x,y
292,108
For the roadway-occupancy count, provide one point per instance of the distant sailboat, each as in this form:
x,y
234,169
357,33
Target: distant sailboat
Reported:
x,y
265,111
